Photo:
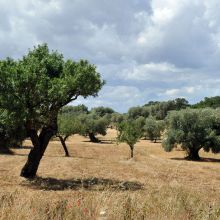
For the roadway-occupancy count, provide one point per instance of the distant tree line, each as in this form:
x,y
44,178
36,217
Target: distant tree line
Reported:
x,y
178,122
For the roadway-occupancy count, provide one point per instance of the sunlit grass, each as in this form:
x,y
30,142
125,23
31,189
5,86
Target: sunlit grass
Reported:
x,y
99,181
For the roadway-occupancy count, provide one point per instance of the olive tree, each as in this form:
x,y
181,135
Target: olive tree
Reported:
x,y
135,112
93,125
212,102
193,130
67,125
153,128
78,119
36,87
74,110
129,132
102,111
116,118
140,121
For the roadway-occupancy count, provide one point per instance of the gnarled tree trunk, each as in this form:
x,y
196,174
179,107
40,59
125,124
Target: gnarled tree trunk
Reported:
x,y
40,144
93,138
193,154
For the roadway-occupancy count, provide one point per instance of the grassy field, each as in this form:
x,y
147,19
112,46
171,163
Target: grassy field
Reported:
x,y
99,181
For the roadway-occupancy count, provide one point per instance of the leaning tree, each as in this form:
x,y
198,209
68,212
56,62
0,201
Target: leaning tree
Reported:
x,y
193,130
36,87
68,125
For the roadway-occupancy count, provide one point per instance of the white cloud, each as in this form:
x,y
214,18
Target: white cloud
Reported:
x,y
155,72
190,90
117,97
172,92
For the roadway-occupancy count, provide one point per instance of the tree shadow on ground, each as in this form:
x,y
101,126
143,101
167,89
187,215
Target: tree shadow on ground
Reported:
x,y
202,159
22,147
158,140
20,155
90,184
5,151
53,156
106,142
26,147
99,142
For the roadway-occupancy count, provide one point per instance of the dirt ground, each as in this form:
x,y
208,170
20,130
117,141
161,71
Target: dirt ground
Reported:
x,y
108,163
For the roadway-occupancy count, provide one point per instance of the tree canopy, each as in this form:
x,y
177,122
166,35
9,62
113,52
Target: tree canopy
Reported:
x,y
102,111
193,130
212,102
130,132
74,110
153,128
11,131
37,86
157,109
93,125
68,124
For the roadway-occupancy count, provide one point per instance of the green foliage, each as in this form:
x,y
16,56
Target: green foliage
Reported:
x,y
69,125
153,128
192,130
150,103
77,119
93,124
102,111
212,102
135,112
159,110
36,87
129,132
140,121
74,110
12,131
181,103
116,118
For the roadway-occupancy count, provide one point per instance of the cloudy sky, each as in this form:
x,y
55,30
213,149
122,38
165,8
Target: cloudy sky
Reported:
x,y
144,49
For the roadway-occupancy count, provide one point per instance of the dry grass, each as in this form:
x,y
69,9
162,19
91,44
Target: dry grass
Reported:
x,y
100,182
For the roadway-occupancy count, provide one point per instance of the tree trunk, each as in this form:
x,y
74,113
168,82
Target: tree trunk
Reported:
x,y
155,140
63,142
40,144
132,151
93,138
193,154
